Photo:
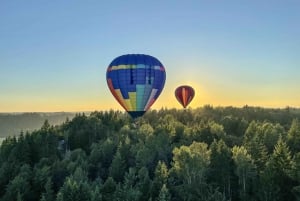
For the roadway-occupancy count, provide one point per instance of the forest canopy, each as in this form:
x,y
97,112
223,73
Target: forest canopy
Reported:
x,y
211,154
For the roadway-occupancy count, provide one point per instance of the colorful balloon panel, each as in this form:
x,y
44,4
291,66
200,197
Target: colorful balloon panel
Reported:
x,y
184,94
136,81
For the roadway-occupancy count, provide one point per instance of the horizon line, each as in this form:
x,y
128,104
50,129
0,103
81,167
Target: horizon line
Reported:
x,y
171,108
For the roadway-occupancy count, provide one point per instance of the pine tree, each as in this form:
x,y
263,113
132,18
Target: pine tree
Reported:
x,y
293,137
19,197
96,194
258,152
278,182
161,175
245,170
144,183
73,190
220,167
164,194
117,168
107,189
48,195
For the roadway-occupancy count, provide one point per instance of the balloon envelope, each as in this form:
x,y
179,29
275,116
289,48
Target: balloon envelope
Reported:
x,y
184,94
136,81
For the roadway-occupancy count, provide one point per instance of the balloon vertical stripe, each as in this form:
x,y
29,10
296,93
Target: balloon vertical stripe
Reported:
x,y
184,94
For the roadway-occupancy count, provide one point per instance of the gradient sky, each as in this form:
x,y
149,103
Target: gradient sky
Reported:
x,y
54,54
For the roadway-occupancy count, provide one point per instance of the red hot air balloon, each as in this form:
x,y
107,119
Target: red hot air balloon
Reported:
x,y
184,94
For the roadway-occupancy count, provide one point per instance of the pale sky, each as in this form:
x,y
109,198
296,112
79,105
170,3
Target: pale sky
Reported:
x,y
54,54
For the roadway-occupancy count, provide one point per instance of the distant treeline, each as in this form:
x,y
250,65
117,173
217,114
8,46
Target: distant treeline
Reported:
x,y
203,154
14,123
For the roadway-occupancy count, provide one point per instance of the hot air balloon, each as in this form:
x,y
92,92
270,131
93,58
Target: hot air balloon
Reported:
x,y
136,81
184,94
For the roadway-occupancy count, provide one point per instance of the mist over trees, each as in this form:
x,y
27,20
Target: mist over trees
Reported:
x,y
211,154
14,123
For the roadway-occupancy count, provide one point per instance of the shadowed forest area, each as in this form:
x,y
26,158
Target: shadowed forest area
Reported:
x,y
205,154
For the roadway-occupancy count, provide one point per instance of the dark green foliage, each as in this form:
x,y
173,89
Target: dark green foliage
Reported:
x,y
73,190
108,189
245,170
19,187
221,166
293,137
211,154
164,194
118,167
278,174
48,194
160,178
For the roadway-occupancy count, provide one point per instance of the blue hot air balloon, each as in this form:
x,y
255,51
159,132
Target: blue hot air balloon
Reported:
x,y
136,81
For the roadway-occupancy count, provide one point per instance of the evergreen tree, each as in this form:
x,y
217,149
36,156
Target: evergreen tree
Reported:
x,y
293,137
251,132
164,194
258,152
20,185
144,183
73,190
160,178
296,168
107,189
245,170
19,197
221,166
48,195
117,168
128,191
270,133
279,171
96,195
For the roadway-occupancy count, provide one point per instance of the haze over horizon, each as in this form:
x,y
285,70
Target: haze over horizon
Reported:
x,y
54,55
